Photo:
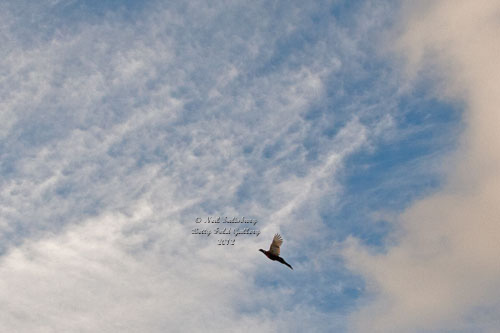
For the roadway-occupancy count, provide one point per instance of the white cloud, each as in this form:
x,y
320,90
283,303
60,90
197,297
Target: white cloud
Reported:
x,y
123,132
442,272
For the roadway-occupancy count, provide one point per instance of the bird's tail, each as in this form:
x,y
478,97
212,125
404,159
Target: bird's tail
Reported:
x,y
281,260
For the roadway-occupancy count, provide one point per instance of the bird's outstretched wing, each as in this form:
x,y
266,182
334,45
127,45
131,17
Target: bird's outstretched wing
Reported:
x,y
275,245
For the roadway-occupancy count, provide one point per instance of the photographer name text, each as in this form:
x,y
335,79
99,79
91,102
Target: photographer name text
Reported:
x,y
206,227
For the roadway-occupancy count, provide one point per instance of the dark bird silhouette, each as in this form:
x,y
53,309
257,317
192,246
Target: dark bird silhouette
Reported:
x,y
274,250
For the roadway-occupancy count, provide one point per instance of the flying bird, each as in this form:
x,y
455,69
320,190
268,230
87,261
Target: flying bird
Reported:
x,y
274,250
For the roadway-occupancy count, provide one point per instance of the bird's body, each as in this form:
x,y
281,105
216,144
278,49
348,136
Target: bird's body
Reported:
x,y
274,251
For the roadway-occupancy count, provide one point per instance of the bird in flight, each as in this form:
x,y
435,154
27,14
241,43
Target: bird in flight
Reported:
x,y
274,250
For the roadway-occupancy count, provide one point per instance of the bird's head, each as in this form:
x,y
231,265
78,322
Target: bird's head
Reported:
x,y
262,251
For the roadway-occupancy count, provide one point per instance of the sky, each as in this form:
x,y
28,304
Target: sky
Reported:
x,y
364,132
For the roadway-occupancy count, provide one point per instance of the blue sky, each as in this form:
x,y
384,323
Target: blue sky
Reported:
x,y
350,127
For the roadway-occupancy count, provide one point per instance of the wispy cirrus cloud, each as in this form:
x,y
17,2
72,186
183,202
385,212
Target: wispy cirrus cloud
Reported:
x,y
123,126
